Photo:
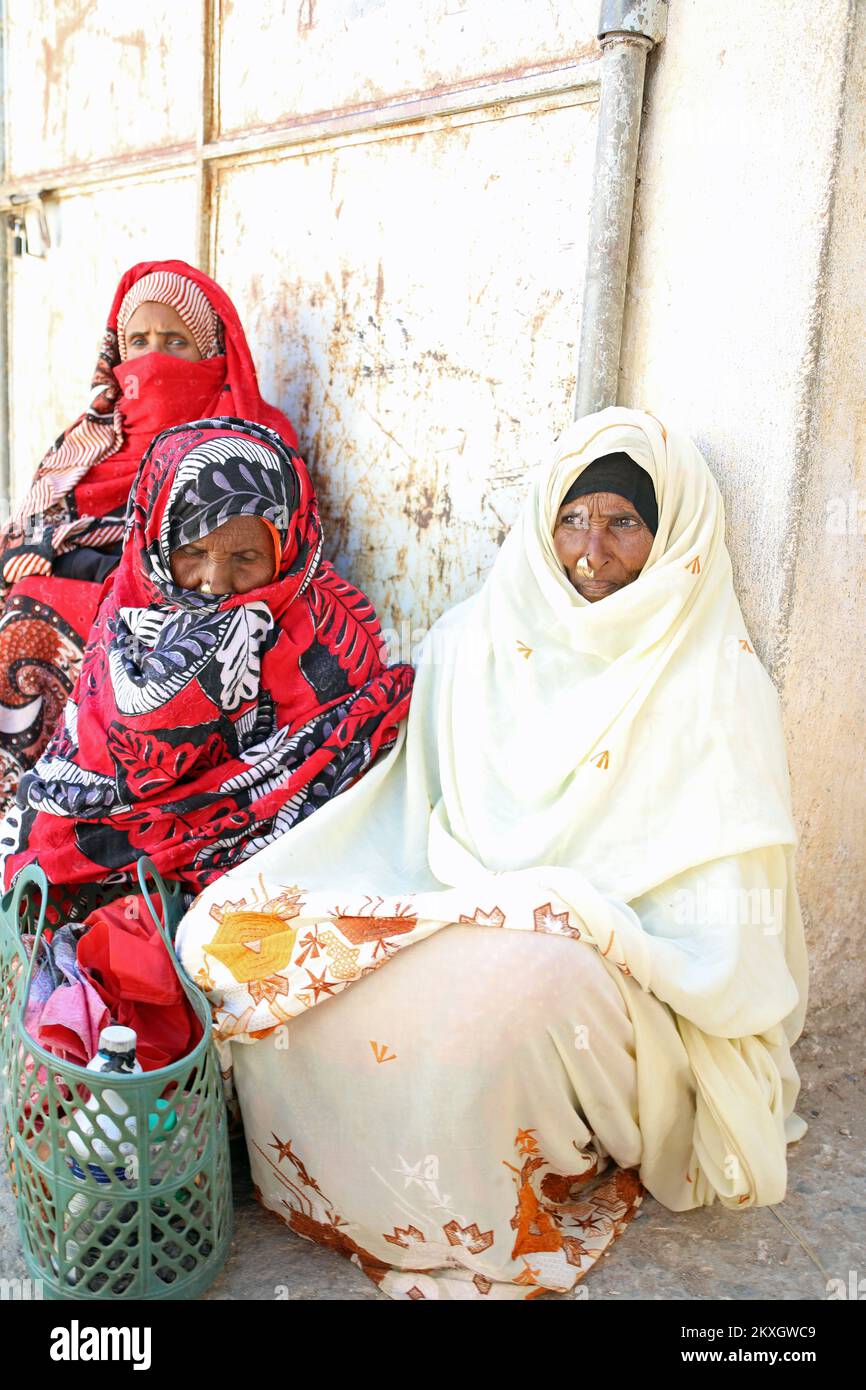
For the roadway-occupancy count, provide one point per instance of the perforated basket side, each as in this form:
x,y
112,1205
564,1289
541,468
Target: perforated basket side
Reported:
x,y
22,913
127,1211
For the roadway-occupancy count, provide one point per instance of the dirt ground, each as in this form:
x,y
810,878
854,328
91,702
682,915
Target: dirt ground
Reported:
x,y
792,1251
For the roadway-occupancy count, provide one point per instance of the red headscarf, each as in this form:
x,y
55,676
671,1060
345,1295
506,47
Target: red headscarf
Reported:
x,y
203,727
83,482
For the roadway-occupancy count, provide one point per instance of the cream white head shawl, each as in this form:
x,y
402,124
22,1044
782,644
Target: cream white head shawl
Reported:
x,y
614,771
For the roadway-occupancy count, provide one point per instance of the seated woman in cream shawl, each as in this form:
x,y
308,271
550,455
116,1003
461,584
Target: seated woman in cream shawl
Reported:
x,y
576,868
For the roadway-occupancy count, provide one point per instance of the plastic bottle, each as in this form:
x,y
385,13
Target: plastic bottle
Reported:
x,y
116,1053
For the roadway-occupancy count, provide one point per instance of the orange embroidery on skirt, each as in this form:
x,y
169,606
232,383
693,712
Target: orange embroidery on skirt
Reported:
x,y
536,1231
494,918
365,926
469,1237
545,919
268,989
323,1233
255,945
525,1141
557,1187
404,1236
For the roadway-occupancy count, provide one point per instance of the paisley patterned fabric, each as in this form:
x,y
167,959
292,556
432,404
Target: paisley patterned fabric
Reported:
x,y
41,645
202,727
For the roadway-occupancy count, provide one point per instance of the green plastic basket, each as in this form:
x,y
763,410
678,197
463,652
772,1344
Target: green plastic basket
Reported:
x,y
149,1215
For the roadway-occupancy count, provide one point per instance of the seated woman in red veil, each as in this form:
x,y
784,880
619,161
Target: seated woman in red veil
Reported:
x,y
174,350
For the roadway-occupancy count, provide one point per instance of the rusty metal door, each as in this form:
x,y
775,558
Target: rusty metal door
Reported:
x,y
396,198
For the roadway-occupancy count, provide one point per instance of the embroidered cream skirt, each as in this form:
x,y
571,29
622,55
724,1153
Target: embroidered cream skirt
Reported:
x,y
467,1121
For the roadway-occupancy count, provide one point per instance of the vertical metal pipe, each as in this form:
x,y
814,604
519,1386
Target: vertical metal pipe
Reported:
x,y
627,32
209,22
5,472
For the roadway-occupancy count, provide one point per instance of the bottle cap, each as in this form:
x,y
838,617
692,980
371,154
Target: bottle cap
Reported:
x,y
117,1040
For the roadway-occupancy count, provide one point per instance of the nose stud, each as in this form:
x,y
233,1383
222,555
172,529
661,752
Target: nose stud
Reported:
x,y
205,588
584,568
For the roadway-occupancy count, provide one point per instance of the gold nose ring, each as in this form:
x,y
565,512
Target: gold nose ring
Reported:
x,y
206,588
584,568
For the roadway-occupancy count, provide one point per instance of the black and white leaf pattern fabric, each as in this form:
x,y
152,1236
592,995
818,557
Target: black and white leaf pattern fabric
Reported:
x,y
145,679
239,654
68,790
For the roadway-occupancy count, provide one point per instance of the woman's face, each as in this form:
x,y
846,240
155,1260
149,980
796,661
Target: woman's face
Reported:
x,y
159,328
602,543
236,557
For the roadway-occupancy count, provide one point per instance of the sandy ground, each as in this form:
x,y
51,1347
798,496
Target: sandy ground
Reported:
x,y
792,1251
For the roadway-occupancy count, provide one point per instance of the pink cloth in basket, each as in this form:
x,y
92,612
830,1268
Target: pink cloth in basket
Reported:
x,y
64,1013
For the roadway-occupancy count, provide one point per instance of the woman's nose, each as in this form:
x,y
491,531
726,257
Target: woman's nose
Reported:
x,y
215,579
596,549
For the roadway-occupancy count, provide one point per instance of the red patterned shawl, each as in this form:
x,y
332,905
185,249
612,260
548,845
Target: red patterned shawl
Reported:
x,y
202,727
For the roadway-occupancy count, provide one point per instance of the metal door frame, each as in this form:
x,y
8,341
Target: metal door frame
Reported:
x,y
516,91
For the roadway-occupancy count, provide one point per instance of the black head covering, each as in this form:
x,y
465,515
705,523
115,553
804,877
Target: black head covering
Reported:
x,y
620,474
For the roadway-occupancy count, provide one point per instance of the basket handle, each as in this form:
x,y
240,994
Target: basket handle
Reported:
x,y
29,875
147,869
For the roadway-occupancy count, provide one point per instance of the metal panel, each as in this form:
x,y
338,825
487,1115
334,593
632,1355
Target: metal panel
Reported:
x,y
94,79
409,264
304,57
413,303
59,305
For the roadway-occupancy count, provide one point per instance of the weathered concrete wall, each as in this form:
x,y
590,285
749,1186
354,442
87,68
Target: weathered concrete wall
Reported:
x,y
822,651
744,322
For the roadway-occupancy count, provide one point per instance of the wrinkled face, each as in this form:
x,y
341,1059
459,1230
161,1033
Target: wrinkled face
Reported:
x,y
236,557
602,543
159,328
